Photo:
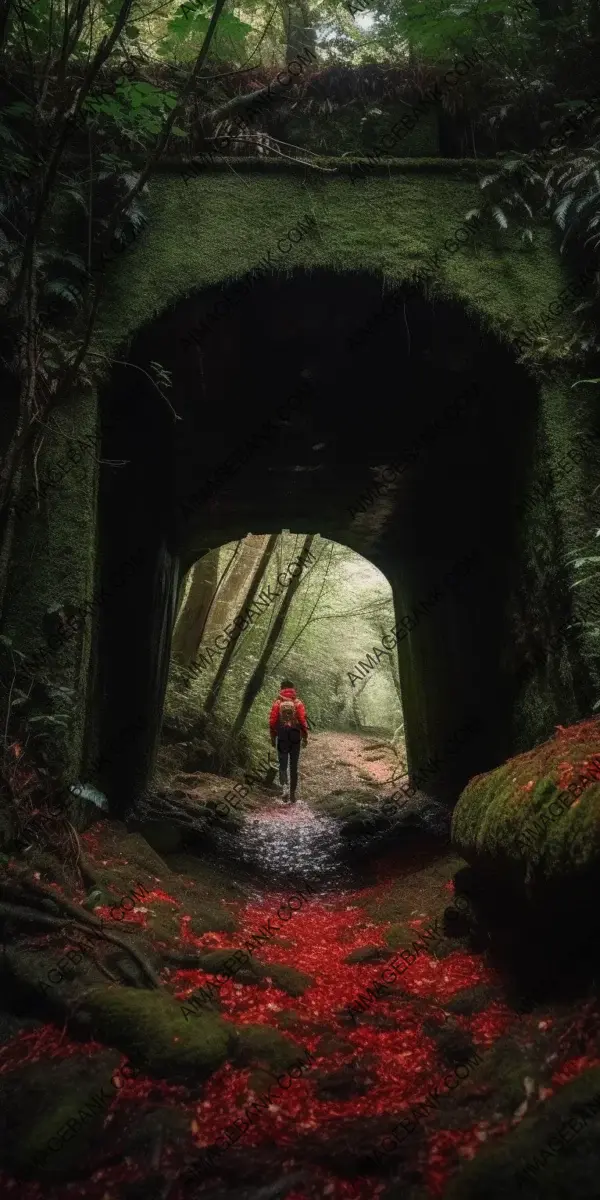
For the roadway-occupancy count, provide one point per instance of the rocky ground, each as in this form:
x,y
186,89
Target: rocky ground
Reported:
x,y
370,1039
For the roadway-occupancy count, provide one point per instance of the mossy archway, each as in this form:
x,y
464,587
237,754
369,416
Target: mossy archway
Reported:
x,y
428,388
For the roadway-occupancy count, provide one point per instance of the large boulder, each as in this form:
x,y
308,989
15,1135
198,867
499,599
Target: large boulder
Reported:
x,y
534,822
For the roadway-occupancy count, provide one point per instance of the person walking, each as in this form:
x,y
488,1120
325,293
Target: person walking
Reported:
x,y
288,728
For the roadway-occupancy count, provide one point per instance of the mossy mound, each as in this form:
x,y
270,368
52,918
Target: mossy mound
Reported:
x,y
411,894
150,1027
471,1000
212,884
38,1100
400,937
288,979
261,1046
533,1160
535,820
253,970
208,919
353,808
368,954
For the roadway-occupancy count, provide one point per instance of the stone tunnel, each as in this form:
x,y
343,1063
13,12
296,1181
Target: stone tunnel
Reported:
x,y
350,355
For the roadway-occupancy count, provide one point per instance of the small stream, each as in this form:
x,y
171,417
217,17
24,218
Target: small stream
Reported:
x,y
285,845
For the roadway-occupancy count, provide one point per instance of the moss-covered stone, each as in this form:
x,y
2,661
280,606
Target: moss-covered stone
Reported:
x,y
151,1028
287,978
518,821
369,954
252,970
502,1072
471,1000
259,1045
435,196
557,1168
38,1100
211,920
400,937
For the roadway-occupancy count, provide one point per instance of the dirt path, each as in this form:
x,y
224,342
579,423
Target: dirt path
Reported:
x,y
337,760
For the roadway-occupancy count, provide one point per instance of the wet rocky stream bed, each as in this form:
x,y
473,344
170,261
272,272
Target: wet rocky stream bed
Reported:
x,y
301,1019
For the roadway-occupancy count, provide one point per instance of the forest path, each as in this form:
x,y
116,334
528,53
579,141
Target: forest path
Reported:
x,y
285,845
413,1053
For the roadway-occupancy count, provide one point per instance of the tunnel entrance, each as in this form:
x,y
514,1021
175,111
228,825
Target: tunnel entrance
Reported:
x,y
391,423
268,608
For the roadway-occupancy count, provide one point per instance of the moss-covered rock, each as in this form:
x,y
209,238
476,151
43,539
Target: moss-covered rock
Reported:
x,y
287,978
259,1045
542,1156
152,1029
368,954
38,1100
252,970
535,820
400,937
471,1000
207,919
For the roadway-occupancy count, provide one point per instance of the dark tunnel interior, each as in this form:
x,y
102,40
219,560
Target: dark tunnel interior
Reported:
x,y
362,407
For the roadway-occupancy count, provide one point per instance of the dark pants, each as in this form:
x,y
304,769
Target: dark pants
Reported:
x,y
288,747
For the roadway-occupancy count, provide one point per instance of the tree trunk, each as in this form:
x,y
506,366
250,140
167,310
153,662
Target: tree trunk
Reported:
x,y
233,585
195,609
258,675
256,580
298,28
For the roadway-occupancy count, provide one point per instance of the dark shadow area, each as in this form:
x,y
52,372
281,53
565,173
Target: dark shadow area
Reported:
x,y
547,950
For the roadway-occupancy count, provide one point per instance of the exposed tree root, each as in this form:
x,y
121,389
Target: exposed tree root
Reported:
x,y
37,896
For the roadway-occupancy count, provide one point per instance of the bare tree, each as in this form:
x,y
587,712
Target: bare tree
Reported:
x,y
261,567
258,675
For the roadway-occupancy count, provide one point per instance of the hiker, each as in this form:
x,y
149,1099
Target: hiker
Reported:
x,y
287,724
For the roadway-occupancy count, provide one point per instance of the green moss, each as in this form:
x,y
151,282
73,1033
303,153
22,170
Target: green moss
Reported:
x,y
388,225
400,937
571,1169
368,954
215,963
258,1045
211,920
253,970
501,1072
212,885
471,1000
152,1030
288,979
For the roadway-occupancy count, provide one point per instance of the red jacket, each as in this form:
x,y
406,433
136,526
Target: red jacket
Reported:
x,y
288,694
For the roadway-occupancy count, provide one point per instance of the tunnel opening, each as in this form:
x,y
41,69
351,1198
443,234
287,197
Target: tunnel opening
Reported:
x,y
268,608
408,438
